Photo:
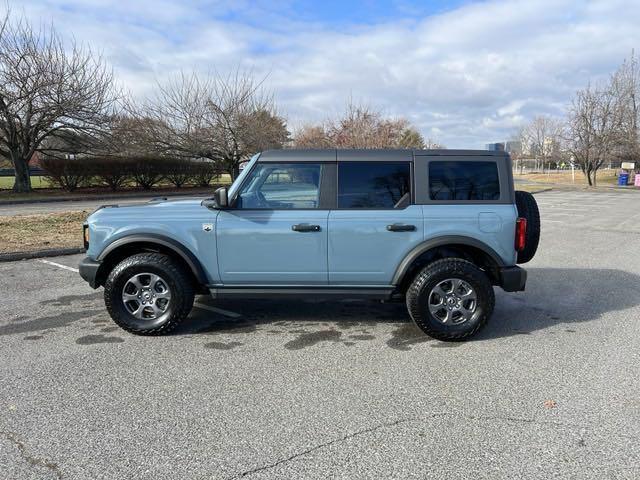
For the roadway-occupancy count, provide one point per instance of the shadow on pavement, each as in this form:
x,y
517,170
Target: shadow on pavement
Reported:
x,y
554,296
566,296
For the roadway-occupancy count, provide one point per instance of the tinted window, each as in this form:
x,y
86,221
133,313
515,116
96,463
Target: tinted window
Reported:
x,y
281,186
463,181
373,184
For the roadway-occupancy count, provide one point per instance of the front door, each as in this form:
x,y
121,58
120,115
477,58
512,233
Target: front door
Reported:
x,y
276,231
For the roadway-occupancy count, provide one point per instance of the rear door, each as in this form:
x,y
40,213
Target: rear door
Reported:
x,y
376,222
276,232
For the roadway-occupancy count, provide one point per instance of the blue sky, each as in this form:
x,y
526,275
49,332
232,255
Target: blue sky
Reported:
x,y
465,73
338,13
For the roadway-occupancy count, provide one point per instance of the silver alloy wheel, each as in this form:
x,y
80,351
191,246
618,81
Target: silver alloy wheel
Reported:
x,y
146,296
453,301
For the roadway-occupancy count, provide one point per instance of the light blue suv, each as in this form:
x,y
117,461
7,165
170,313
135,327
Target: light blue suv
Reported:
x,y
435,228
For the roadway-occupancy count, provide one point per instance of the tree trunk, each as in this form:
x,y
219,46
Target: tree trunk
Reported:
x,y
588,175
235,171
595,173
22,183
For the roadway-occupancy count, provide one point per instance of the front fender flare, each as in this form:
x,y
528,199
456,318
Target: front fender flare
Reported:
x,y
187,255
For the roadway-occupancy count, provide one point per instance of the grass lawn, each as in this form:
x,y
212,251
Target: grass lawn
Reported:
x,y
26,233
36,182
605,177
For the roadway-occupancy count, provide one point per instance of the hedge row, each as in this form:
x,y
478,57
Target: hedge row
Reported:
x,y
116,172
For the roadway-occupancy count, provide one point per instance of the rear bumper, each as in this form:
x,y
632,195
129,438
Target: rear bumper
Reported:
x,y
512,279
88,269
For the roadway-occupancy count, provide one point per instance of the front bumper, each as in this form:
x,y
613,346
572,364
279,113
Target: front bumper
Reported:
x,y
512,279
89,271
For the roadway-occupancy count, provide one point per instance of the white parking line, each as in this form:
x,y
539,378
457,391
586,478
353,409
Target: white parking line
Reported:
x,y
59,265
226,313
199,305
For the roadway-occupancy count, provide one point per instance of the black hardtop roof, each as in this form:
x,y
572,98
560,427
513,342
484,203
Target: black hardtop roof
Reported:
x,y
355,155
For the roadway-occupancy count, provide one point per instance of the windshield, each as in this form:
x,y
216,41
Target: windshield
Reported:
x,y
233,189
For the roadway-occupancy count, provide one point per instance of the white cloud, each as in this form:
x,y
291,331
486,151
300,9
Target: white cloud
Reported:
x,y
467,76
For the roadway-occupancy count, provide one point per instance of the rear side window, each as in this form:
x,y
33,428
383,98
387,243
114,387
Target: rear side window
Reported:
x,y
374,184
463,181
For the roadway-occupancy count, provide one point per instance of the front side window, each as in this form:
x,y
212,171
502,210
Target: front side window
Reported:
x,y
464,181
281,186
374,184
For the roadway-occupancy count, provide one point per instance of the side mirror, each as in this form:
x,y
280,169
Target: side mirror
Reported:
x,y
221,197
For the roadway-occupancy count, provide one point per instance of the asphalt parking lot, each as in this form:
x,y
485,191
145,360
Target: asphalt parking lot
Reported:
x,y
310,389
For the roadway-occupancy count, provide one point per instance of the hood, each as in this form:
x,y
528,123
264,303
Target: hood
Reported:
x,y
156,207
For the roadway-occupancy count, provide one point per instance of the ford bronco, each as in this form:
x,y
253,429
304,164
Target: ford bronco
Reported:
x,y
437,229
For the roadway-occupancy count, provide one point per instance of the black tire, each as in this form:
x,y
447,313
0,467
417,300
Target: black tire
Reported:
x,y
420,290
528,208
178,281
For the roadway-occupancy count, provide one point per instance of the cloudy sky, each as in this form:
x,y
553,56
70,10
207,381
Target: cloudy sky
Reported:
x,y
464,72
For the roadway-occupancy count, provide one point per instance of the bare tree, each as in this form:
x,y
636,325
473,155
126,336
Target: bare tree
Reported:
x,y
542,139
412,138
595,128
130,136
312,136
363,127
360,126
223,119
243,119
625,86
173,121
47,89
431,144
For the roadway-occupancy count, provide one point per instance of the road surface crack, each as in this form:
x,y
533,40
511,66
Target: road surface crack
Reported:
x,y
423,418
322,445
30,459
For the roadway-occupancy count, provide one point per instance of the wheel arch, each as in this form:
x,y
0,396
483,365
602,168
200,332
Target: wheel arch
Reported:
x,y
468,248
129,245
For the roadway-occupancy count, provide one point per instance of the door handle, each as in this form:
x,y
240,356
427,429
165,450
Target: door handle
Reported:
x,y
305,227
401,227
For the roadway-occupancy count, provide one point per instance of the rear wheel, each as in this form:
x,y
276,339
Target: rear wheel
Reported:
x,y
148,294
450,299
528,209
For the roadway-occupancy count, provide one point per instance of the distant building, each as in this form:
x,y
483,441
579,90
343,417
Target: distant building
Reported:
x,y
513,146
495,147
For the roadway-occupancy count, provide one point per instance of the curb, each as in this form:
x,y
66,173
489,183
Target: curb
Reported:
x,y
51,252
86,198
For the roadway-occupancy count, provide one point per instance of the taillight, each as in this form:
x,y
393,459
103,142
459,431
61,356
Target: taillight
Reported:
x,y
521,233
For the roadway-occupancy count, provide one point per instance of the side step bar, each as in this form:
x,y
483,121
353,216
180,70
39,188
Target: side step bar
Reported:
x,y
250,291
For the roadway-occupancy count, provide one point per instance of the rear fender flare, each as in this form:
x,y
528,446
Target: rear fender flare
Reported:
x,y
443,241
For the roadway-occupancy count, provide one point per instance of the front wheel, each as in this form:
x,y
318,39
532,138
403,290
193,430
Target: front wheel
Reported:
x,y
148,294
450,299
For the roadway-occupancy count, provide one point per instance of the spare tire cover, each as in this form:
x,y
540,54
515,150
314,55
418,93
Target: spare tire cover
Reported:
x,y
528,209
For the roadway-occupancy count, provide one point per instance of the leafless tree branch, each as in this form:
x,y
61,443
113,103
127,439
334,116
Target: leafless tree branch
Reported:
x,y
47,89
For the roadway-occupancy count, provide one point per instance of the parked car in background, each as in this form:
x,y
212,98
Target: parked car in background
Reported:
x,y
437,229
